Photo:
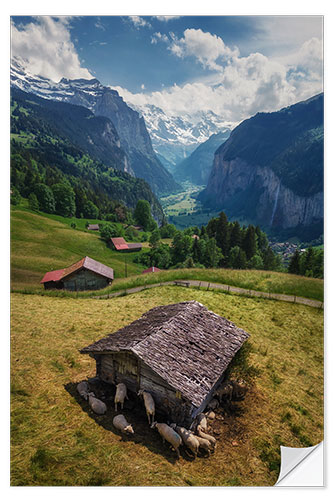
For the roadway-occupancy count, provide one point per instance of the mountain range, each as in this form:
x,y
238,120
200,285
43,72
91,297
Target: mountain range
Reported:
x,y
270,170
174,138
140,160
54,141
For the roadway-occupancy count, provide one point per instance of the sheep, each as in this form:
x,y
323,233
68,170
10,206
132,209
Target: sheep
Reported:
x,y
209,438
83,389
96,405
239,389
204,444
122,425
168,434
149,405
201,421
121,395
225,389
188,438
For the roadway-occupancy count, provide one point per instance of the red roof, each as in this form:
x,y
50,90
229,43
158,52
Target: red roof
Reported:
x,y
86,263
53,275
151,270
119,243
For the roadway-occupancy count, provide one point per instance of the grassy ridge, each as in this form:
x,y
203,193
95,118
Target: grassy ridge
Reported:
x,y
56,440
41,243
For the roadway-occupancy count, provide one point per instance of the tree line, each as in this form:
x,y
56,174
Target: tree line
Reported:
x,y
219,244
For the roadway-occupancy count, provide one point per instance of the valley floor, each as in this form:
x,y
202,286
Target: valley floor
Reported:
x,y
56,440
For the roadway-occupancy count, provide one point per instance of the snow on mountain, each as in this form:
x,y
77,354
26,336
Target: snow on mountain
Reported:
x,y
174,138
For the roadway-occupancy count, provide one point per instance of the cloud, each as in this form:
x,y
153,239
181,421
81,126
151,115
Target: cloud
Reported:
x,y
46,47
203,46
139,22
99,24
166,18
158,37
241,88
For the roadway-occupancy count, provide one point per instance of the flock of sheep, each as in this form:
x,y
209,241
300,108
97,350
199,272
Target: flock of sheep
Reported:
x,y
194,438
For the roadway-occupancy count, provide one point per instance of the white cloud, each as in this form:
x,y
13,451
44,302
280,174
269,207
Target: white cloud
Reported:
x,y
205,47
139,22
46,47
166,18
158,37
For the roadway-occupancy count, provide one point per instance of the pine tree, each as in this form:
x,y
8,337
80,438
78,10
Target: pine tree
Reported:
x,y
235,235
294,264
222,234
250,242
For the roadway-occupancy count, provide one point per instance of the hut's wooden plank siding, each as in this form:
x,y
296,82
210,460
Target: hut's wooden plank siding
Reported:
x,y
85,280
120,367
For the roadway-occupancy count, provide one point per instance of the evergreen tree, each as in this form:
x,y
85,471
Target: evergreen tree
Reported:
x,y
213,254
294,264
212,228
235,235
250,242
196,250
237,258
269,259
222,233
307,262
154,238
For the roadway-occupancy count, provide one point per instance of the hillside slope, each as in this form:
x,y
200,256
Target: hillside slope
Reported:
x,y
52,141
271,169
103,101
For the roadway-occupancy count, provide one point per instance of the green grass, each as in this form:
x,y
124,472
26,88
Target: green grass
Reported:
x,y
56,440
40,244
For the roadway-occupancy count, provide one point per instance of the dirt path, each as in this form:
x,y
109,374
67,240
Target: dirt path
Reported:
x,y
205,285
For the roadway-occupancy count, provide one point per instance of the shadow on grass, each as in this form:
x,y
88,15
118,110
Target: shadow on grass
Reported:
x,y
135,414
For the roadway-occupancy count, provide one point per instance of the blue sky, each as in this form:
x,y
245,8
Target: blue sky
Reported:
x,y
235,65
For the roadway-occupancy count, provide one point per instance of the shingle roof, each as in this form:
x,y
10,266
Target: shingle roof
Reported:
x,y
86,263
185,343
119,243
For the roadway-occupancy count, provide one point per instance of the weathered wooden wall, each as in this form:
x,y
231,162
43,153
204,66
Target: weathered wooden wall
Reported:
x,y
85,280
125,367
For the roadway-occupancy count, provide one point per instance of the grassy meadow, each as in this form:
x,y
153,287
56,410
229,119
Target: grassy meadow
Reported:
x,y
57,440
40,244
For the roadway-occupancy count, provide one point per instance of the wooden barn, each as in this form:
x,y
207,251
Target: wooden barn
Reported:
x,y
179,353
86,274
93,227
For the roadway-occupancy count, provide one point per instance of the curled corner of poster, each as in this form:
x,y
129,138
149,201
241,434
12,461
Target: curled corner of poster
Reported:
x,y
302,466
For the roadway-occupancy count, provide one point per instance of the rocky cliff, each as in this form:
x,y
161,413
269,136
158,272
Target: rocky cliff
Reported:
x,y
141,160
270,170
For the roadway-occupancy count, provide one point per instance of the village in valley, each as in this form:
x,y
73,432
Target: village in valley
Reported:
x,y
167,275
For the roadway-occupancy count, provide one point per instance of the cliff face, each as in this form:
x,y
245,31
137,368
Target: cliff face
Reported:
x,y
258,194
270,170
141,160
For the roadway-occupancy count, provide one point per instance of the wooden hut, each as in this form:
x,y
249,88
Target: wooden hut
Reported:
x,y
93,227
178,353
86,274
121,245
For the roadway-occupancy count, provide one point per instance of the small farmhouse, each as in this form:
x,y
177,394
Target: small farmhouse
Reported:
x,y
179,353
121,245
152,269
86,274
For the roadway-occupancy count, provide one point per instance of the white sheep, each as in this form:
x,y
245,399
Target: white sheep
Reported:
x,y
209,438
168,434
121,395
149,404
122,425
204,444
83,389
188,438
96,405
